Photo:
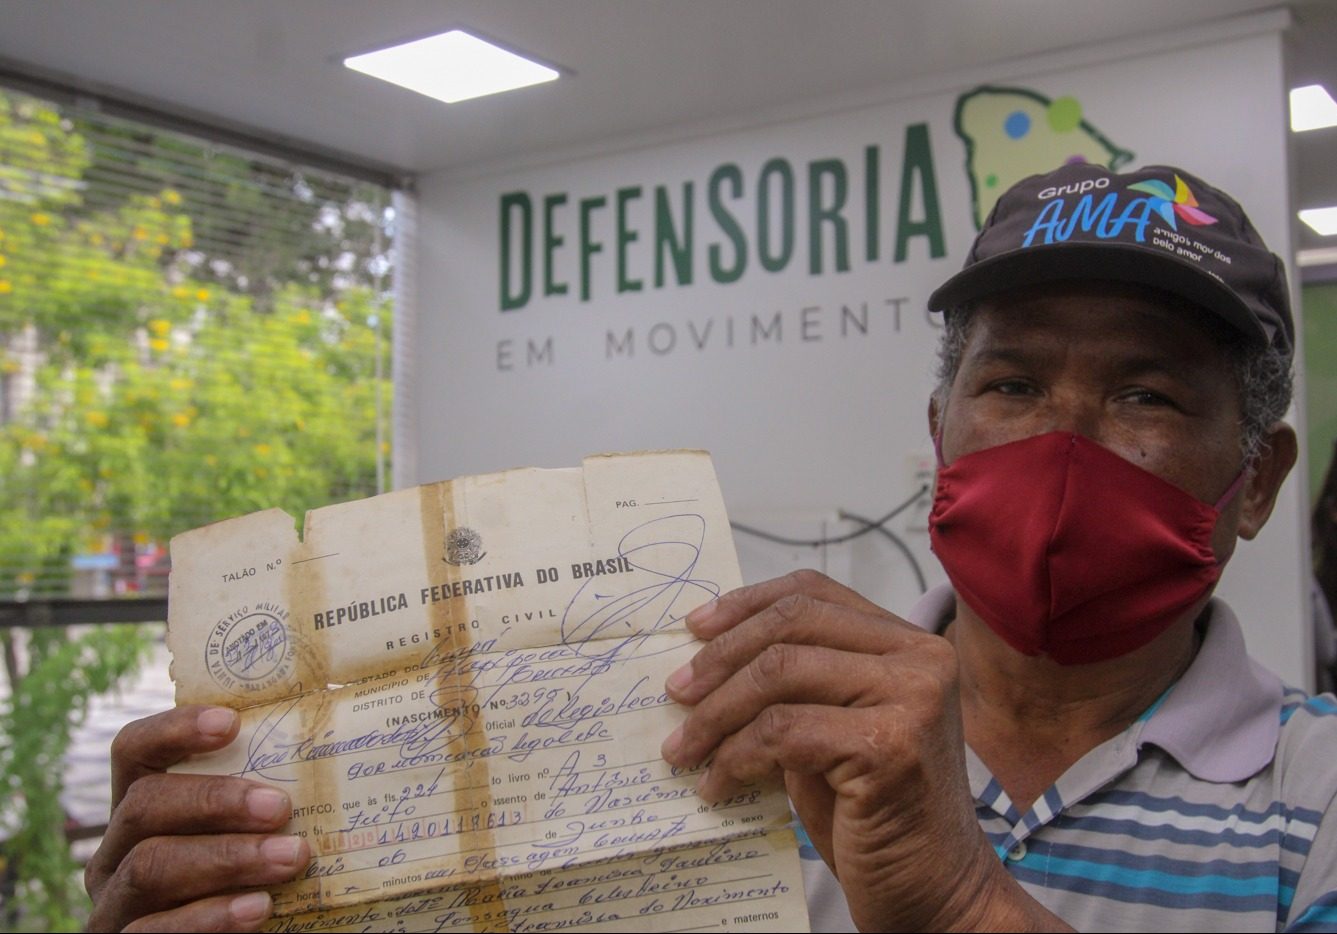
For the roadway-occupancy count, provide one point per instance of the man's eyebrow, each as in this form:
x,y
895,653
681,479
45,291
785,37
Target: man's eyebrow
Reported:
x,y
1007,353
1134,363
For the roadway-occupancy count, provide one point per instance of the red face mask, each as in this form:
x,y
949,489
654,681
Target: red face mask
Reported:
x,y
1064,548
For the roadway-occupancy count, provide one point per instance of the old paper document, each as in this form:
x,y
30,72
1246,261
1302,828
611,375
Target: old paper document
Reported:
x,y
461,687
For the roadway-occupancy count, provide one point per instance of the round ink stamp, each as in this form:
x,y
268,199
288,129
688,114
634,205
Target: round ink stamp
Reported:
x,y
250,649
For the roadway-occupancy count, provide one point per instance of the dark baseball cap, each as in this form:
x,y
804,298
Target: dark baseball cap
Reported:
x,y
1157,226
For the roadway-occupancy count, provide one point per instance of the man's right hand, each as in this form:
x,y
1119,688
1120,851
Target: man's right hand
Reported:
x,y
180,849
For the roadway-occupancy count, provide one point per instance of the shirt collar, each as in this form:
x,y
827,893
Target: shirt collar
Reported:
x,y
1220,721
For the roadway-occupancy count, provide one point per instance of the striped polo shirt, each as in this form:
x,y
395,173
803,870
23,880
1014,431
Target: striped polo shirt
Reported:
x,y
1207,813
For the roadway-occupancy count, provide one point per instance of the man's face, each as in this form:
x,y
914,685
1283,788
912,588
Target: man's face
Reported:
x,y
1118,365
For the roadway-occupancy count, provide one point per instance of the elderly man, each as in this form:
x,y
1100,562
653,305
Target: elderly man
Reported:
x,y
1087,742
1072,733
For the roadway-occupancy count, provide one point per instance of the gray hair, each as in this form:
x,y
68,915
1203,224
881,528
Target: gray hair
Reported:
x,y
1262,374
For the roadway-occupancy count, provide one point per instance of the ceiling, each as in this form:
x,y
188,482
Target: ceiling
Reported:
x,y
273,69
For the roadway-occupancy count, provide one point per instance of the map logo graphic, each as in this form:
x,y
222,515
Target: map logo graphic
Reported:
x,y
1013,133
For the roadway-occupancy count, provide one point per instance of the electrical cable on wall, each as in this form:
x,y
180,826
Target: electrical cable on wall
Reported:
x,y
870,526
839,539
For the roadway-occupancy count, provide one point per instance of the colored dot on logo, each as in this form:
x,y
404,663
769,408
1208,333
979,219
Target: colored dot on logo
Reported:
x,y
991,181
1064,114
1017,124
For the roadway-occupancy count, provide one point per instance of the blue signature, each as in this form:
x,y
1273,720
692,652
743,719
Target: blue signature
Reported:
x,y
668,549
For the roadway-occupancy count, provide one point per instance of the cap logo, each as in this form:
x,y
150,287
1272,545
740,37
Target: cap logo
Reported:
x,y
1055,224
1179,202
1075,188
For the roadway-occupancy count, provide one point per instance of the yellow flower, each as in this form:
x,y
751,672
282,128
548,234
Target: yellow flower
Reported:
x,y
180,384
162,238
180,291
141,538
181,420
160,326
202,295
96,419
302,317
171,196
5,287
97,239
262,450
139,233
159,344
2,259
40,220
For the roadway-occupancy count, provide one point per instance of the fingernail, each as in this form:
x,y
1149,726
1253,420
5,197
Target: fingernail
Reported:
x,y
703,612
249,908
280,850
266,804
216,721
680,678
672,743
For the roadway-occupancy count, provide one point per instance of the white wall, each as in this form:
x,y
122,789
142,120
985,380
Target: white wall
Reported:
x,y
826,417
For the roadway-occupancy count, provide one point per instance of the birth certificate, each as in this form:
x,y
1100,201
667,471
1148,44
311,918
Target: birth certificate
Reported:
x,y
461,688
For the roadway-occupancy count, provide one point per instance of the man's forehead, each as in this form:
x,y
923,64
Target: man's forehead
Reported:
x,y
1098,308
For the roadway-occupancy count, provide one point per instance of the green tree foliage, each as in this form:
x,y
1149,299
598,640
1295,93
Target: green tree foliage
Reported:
x,y
161,367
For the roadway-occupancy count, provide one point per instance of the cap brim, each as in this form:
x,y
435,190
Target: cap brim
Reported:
x,y
1118,262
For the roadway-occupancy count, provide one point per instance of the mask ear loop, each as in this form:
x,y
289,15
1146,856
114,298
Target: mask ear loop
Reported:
x,y
1231,490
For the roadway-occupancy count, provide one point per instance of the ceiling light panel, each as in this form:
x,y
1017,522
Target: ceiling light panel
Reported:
x,y
1322,220
453,66
1312,108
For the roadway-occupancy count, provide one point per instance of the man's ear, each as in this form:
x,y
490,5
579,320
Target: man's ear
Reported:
x,y
1279,452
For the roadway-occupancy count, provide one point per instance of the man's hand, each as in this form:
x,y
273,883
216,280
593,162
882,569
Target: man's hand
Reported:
x,y
860,712
179,848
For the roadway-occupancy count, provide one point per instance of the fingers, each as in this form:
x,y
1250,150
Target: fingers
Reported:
x,y
796,619
780,674
163,881
800,739
729,609
224,913
800,709
176,841
154,743
162,804
781,684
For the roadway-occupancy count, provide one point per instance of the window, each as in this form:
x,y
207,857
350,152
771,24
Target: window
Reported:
x,y
188,331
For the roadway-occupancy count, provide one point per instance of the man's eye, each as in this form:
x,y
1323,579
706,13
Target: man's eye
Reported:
x,y
1146,397
1013,387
